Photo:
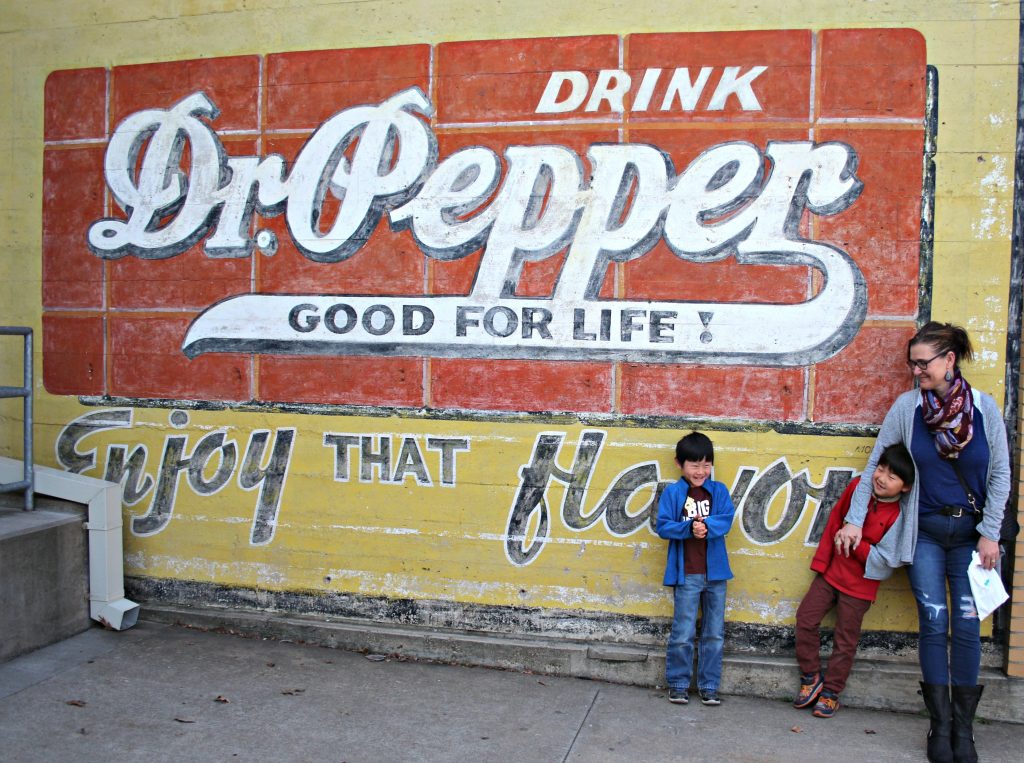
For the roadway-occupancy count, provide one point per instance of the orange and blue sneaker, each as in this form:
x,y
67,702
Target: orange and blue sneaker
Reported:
x,y
828,703
810,688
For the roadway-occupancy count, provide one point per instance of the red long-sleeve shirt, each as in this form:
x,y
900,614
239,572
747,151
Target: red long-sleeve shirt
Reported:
x,y
846,573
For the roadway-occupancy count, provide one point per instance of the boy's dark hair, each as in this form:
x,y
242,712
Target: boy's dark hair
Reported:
x,y
898,459
695,446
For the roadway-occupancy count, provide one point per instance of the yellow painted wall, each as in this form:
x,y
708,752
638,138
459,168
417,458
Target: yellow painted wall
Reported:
x,y
445,543
400,539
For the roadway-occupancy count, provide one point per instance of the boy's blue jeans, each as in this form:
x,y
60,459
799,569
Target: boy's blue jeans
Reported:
x,y
944,546
710,595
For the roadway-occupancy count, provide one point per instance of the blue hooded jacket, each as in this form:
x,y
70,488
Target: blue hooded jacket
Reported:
x,y
675,529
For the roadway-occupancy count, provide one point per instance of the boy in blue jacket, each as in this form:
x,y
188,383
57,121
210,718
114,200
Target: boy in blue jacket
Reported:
x,y
694,515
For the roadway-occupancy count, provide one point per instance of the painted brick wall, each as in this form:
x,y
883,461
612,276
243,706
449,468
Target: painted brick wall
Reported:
x,y
115,327
382,536
406,510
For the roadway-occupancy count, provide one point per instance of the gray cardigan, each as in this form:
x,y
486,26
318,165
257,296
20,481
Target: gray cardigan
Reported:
x,y
896,548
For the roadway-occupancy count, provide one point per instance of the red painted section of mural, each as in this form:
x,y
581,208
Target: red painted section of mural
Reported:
x,y
115,327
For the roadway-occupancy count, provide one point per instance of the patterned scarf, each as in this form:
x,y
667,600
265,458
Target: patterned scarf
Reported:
x,y
950,420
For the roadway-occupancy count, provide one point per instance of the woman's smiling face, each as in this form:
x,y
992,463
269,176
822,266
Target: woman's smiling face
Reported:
x,y
929,365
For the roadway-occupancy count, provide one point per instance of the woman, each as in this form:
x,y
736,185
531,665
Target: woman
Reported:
x,y
943,423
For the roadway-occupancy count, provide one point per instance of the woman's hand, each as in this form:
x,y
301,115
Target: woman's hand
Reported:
x,y
988,551
847,539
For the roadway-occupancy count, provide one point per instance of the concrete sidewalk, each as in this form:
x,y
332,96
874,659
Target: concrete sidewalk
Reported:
x,y
168,693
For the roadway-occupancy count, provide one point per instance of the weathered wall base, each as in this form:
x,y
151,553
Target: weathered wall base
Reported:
x,y
883,678
583,625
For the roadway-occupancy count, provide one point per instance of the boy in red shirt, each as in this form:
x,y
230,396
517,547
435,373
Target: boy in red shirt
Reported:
x,y
840,583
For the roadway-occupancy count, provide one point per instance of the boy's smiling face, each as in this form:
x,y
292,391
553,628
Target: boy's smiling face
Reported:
x,y
695,472
886,485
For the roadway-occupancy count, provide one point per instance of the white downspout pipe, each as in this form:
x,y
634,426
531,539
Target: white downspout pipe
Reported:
x,y
107,603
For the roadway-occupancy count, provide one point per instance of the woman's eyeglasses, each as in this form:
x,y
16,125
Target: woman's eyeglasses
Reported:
x,y
923,364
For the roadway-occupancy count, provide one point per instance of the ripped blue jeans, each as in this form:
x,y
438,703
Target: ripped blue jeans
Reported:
x,y
949,644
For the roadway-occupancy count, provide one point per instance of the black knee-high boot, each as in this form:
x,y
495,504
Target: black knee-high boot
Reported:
x,y
936,699
965,702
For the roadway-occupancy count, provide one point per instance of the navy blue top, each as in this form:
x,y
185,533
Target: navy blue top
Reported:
x,y
936,479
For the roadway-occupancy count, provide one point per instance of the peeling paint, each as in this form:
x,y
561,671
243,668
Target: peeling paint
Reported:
x,y
204,569
767,610
758,551
411,586
993,219
504,537
382,530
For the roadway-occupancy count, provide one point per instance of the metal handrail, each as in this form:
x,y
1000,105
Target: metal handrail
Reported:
x,y
28,482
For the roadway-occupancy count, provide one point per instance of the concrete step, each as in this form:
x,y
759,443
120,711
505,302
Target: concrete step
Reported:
x,y
44,574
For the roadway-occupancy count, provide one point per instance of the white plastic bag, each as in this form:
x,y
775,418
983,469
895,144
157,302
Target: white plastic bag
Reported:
x,y
987,587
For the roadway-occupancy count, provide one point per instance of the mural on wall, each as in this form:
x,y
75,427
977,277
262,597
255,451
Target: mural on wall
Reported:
x,y
386,459
393,226
244,256
451,514
723,203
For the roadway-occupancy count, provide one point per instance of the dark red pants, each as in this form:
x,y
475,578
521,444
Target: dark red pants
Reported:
x,y
818,602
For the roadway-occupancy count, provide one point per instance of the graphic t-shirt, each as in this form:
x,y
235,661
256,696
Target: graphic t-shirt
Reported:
x,y
695,550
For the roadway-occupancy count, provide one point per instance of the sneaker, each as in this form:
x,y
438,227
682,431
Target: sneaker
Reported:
x,y
678,696
810,688
826,706
710,697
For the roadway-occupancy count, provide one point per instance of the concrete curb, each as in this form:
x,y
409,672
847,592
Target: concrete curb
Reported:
x,y
874,684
